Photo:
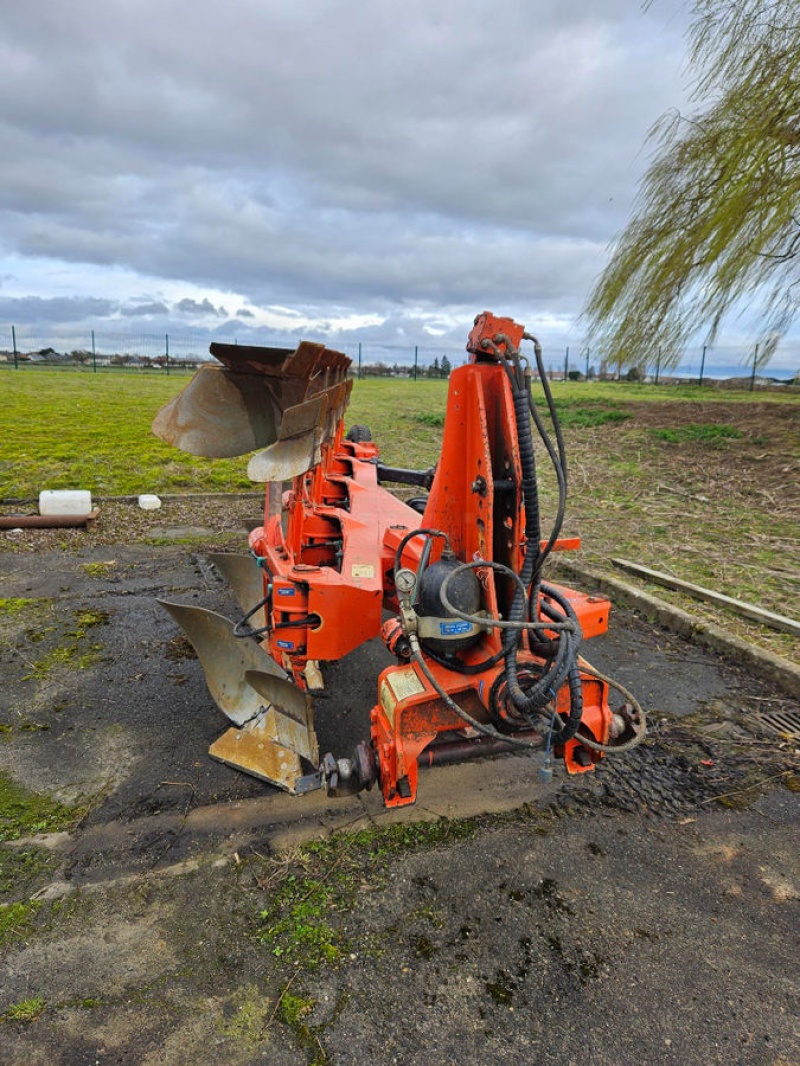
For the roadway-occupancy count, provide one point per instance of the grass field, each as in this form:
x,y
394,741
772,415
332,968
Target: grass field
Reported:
x,y
699,482
60,429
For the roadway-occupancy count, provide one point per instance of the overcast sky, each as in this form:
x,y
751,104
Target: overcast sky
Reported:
x,y
340,169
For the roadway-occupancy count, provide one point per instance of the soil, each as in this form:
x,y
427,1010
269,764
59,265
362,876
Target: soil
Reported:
x,y
645,913
723,513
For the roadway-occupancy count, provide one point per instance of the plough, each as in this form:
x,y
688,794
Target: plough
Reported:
x,y
487,651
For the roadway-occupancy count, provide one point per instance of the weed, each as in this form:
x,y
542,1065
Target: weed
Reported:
x,y
20,867
698,433
429,418
586,417
23,812
99,569
400,837
293,1011
13,605
294,1008
296,926
73,653
299,925
27,1010
16,919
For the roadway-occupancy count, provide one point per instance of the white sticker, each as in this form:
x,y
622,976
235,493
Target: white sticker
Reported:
x,y
365,570
405,683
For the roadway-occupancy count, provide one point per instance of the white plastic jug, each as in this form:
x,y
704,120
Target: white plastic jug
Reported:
x,y
65,501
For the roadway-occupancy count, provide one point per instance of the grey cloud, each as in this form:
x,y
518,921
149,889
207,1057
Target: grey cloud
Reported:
x,y
34,310
343,157
156,307
197,307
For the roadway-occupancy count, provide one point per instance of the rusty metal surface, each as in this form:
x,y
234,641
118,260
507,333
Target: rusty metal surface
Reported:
x,y
258,397
251,750
219,414
297,448
47,521
225,660
272,745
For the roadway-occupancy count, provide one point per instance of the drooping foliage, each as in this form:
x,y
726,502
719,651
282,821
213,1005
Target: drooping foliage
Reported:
x,y
717,218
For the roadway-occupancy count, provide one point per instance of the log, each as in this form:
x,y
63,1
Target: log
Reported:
x,y
746,610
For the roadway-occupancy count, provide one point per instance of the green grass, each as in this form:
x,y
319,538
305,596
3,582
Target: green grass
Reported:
x,y
74,653
585,416
61,430
27,1010
16,920
23,812
301,924
698,433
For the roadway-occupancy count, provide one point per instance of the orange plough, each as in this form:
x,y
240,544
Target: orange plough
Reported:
x,y
487,651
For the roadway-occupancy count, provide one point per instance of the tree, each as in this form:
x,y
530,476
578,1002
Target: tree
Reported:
x,y
717,216
445,367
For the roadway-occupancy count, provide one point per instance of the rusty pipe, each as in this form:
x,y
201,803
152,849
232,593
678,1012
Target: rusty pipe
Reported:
x,y
47,521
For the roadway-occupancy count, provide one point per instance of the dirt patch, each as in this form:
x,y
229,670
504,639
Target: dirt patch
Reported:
x,y
194,521
720,510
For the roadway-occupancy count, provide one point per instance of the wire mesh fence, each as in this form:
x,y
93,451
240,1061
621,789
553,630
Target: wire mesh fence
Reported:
x,y
104,350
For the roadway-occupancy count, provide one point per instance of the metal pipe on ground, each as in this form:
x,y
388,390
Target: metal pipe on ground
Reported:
x,y
49,521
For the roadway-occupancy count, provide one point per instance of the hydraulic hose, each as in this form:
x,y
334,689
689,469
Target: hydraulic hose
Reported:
x,y
529,611
562,666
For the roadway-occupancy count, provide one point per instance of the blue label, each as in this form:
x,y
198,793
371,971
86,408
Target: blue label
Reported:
x,y
285,592
287,644
448,629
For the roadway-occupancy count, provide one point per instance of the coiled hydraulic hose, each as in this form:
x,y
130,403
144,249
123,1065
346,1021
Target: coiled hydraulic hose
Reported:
x,y
562,666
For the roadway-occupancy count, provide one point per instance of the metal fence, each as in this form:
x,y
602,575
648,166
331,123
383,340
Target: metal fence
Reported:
x,y
103,350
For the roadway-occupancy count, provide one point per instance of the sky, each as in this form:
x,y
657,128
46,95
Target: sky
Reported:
x,y
341,170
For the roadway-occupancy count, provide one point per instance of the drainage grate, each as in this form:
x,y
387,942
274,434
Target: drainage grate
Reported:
x,y
787,723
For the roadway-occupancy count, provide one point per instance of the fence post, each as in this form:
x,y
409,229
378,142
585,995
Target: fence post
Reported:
x,y
94,356
658,365
359,360
166,350
587,364
416,356
566,364
702,366
753,375
14,343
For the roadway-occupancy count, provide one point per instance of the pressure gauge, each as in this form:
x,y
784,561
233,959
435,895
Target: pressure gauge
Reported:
x,y
404,581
